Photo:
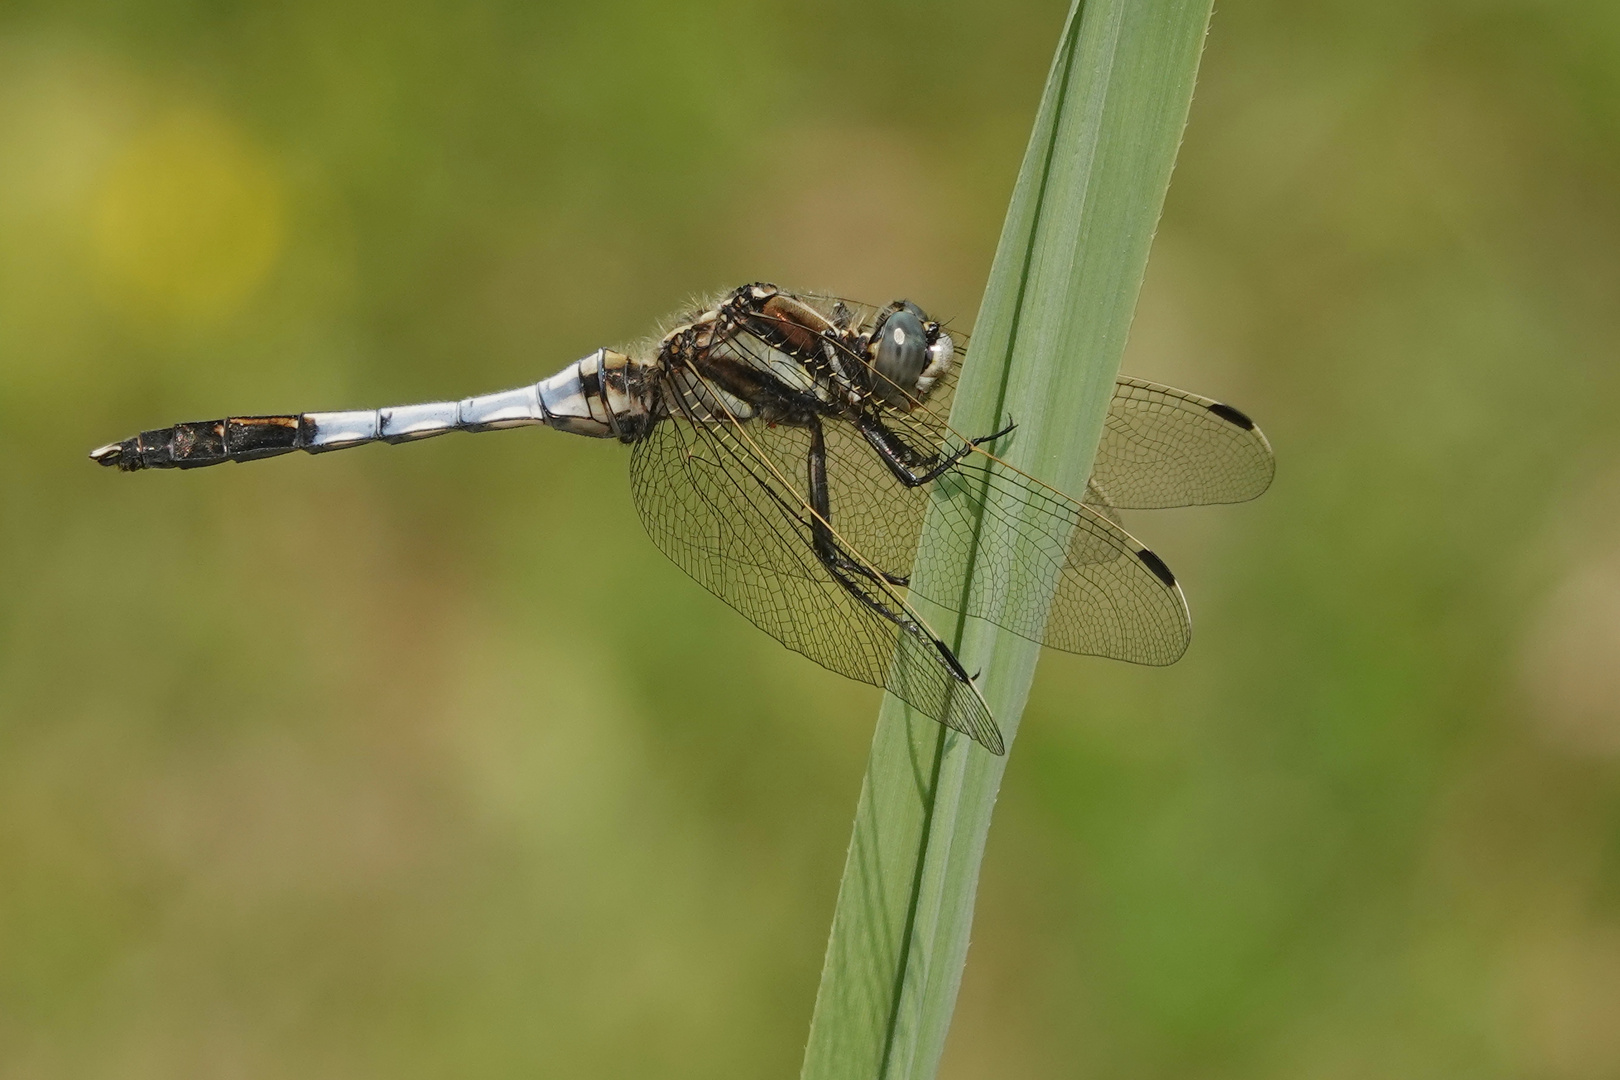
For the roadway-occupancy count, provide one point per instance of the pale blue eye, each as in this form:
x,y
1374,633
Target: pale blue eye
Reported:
x,y
902,353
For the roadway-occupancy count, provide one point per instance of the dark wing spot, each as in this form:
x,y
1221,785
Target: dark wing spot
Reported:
x,y
1231,416
1156,564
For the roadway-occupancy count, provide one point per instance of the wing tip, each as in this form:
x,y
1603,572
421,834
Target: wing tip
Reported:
x,y
1176,649
992,741
978,723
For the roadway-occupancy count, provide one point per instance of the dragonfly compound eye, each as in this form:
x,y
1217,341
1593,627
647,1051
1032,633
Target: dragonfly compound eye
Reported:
x,y
902,353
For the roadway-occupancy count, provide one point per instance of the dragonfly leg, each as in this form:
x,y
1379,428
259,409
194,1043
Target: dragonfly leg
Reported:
x,y
902,459
828,549
840,566
994,435
861,591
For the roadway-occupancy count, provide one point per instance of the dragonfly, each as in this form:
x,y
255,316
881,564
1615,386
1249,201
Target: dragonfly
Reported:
x,y
785,451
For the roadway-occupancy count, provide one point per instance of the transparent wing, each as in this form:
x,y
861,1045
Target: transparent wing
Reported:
x,y
1163,447
733,516
1111,596
1025,541
1099,502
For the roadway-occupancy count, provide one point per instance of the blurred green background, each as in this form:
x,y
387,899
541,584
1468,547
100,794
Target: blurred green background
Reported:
x,y
423,762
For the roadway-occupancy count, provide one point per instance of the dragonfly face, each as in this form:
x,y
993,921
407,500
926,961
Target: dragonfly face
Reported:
x,y
785,449
909,354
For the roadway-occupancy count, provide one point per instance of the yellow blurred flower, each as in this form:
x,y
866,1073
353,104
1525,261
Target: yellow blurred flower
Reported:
x,y
187,221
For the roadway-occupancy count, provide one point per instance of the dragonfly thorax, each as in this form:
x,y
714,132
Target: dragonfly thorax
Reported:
x,y
764,354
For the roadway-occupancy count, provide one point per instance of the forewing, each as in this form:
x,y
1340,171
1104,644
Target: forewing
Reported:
x,y
731,513
1163,447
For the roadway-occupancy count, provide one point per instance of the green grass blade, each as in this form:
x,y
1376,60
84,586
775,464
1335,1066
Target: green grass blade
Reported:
x,y
1046,350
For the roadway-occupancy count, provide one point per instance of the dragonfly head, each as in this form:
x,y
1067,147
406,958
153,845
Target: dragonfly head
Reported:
x,y
910,353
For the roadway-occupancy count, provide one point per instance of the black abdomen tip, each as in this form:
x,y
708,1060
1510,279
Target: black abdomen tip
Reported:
x,y
1156,564
122,455
1231,415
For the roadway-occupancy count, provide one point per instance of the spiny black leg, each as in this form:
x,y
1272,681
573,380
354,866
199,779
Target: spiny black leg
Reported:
x,y
894,454
1011,424
820,528
840,567
832,556
951,661
899,457
859,591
